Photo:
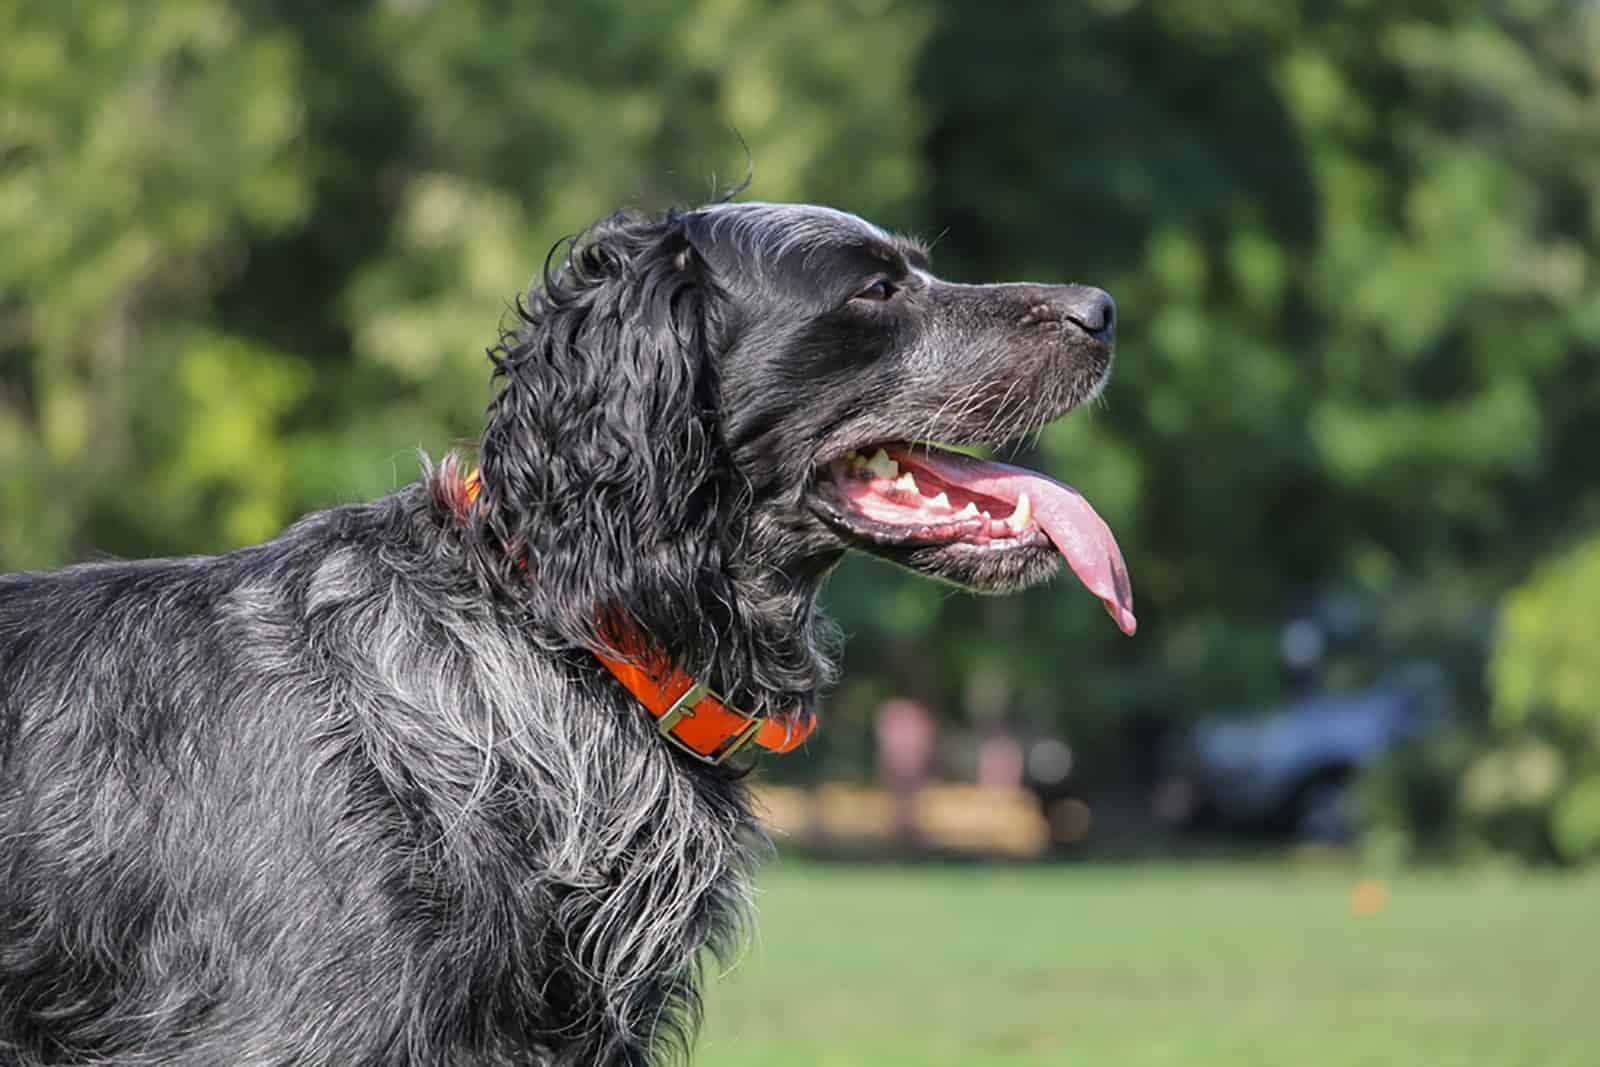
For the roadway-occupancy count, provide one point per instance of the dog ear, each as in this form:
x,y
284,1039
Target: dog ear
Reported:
x,y
601,500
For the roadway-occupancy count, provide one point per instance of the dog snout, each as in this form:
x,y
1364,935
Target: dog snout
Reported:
x,y
1091,310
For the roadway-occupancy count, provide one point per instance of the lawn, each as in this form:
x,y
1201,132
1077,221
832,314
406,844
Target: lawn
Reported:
x,y
1139,966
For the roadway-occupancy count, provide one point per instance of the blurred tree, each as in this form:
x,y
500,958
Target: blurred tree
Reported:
x,y
1525,783
1353,244
138,144
1546,685
251,253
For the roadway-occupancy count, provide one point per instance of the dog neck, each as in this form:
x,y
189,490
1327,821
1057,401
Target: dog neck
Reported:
x,y
689,713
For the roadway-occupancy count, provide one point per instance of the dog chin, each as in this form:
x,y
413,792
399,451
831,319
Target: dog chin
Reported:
x,y
991,569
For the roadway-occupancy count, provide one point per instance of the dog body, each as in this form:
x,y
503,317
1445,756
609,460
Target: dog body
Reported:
x,y
365,795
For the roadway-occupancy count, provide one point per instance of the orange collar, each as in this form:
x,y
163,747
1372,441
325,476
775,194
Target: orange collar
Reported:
x,y
694,718
687,713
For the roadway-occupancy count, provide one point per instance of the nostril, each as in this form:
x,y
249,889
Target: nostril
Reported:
x,y
1094,311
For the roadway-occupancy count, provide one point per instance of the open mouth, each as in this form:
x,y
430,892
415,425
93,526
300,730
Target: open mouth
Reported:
x,y
899,498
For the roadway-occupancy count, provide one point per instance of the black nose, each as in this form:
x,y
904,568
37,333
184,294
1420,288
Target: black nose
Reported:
x,y
1092,310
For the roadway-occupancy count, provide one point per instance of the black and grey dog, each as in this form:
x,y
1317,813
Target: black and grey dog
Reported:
x,y
364,795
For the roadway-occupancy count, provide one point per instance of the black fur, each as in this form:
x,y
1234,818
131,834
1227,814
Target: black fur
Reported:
x,y
361,795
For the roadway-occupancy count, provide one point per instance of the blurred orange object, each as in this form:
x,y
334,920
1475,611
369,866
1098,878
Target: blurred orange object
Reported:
x,y
1368,897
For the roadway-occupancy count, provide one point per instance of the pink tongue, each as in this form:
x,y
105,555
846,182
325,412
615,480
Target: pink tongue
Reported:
x,y
1081,536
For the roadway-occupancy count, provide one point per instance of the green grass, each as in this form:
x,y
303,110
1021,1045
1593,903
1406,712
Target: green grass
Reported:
x,y
1162,965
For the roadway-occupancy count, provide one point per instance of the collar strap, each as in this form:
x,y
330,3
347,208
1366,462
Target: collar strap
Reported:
x,y
686,711
697,720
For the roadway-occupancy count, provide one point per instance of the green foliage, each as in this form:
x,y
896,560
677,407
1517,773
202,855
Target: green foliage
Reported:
x,y
1545,664
251,254
1411,801
1575,821
139,144
1545,679
1528,784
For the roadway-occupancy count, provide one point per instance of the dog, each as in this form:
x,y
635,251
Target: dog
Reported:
x,y
400,786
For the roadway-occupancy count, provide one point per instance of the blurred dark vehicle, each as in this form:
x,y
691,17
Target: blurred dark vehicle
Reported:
x,y
1287,771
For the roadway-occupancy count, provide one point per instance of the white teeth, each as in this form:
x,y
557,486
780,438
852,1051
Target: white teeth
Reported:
x,y
1020,518
942,502
906,482
881,465
968,512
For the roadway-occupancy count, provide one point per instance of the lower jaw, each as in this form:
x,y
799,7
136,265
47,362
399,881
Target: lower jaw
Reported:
x,y
998,565
995,568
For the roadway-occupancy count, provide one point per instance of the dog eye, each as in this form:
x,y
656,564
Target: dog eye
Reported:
x,y
882,289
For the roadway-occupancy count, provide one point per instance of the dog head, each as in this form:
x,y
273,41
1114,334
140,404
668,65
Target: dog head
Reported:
x,y
844,357
699,414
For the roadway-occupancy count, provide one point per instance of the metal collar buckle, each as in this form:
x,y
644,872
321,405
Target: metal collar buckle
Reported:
x,y
683,708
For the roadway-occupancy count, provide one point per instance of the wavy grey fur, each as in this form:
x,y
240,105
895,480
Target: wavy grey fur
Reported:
x,y
322,802
362,795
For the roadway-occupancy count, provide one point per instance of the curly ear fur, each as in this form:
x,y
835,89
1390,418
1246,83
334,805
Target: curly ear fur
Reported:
x,y
608,490
600,458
